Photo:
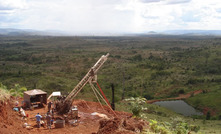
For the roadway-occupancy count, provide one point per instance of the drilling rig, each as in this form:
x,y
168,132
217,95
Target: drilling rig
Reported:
x,y
63,107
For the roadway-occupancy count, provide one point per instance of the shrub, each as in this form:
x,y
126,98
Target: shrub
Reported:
x,y
219,117
17,91
136,105
194,128
208,115
137,58
136,110
148,96
181,91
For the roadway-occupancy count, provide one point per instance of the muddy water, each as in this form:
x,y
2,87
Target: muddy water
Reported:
x,y
179,106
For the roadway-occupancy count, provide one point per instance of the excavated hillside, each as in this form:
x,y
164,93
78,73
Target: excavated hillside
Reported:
x,y
10,121
94,119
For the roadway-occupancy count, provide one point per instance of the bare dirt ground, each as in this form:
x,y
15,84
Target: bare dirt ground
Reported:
x,y
121,123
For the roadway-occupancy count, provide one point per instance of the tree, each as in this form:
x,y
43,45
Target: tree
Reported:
x,y
17,91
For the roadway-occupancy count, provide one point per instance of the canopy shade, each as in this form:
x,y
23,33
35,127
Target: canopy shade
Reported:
x,y
35,96
35,92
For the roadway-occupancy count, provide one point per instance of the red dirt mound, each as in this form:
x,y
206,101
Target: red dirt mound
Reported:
x,y
10,121
121,126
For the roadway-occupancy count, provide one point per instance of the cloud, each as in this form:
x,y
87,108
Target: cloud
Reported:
x,y
12,4
218,10
191,16
5,8
166,1
178,1
77,16
98,16
150,1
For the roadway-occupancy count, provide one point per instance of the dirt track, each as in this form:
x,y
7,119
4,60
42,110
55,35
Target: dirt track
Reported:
x,y
11,122
181,96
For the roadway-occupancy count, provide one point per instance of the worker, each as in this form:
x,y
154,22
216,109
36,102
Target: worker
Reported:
x,y
48,119
92,72
49,106
38,120
41,100
74,112
22,111
16,103
52,113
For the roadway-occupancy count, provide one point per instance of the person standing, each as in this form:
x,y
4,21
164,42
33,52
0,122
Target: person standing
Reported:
x,y
49,106
41,100
48,119
52,113
38,120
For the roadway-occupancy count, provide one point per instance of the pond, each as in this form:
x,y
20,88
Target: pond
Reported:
x,y
179,106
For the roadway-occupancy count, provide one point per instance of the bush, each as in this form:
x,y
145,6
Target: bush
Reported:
x,y
148,96
219,117
208,115
137,58
177,127
136,111
181,91
194,128
136,105
17,90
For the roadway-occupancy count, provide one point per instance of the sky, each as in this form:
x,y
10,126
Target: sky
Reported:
x,y
111,16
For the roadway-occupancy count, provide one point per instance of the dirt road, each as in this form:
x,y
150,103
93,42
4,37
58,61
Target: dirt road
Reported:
x,y
181,96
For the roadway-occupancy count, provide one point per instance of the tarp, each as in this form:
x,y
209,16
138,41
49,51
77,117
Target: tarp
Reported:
x,y
35,92
58,93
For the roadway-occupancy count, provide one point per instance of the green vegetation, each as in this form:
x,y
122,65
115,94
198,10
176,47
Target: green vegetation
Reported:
x,y
18,91
4,93
209,100
153,67
177,127
164,121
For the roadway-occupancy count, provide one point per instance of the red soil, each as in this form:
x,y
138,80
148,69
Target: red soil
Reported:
x,y
123,123
207,109
10,121
121,126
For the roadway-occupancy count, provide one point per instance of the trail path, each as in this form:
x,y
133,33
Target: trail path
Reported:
x,y
181,96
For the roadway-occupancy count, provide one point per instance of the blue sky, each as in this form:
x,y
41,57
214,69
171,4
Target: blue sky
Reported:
x,y
110,16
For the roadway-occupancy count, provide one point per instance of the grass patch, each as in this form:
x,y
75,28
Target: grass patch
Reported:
x,y
206,100
4,94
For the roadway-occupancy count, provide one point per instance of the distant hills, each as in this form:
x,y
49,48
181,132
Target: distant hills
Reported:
x,y
193,32
16,32
30,32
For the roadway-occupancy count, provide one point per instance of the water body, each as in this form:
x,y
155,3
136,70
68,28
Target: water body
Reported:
x,y
179,106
